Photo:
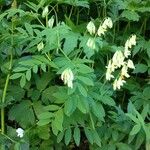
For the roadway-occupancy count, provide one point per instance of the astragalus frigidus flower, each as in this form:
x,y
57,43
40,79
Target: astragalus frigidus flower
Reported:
x,y
119,60
129,43
110,70
20,132
105,25
118,83
67,77
45,12
51,22
91,28
91,43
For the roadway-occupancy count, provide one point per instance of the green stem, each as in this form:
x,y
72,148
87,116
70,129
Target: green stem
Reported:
x,y
71,12
147,145
5,90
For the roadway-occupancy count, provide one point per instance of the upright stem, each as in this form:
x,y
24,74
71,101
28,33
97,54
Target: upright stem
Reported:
x,y
5,88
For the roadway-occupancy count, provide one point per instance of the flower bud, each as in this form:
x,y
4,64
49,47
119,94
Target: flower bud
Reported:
x,y
101,31
67,77
91,43
107,23
130,64
45,12
40,46
51,22
91,28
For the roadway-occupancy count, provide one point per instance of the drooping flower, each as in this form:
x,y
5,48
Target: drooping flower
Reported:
x,y
45,12
101,31
91,43
124,71
51,22
20,132
118,59
107,23
127,52
67,77
40,46
91,28
110,69
129,43
118,83
130,64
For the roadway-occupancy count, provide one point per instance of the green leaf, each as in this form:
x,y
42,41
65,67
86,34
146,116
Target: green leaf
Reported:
x,y
77,136
45,115
89,135
43,132
29,29
43,67
17,146
70,106
52,107
98,110
135,129
96,137
28,75
146,92
82,105
70,42
123,146
130,15
68,135
58,121
60,137
43,122
107,100
85,80
82,68
133,118
35,69
22,113
140,68
16,76
23,81
82,90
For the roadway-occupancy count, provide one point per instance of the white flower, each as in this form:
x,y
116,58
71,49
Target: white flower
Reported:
x,y
51,22
91,43
91,28
127,52
107,23
40,46
118,83
45,12
130,64
67,77
109,76
110,69
124,71
118,59
20,132
101,30
133,40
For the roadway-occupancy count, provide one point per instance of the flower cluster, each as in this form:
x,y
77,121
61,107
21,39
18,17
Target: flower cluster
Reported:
x,y
101,31
119,60
67,77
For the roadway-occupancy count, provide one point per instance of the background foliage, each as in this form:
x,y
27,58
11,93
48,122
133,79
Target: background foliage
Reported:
x,y
91,115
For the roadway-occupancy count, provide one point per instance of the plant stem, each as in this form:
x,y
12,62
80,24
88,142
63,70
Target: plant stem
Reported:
x,y
5,88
